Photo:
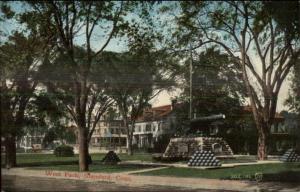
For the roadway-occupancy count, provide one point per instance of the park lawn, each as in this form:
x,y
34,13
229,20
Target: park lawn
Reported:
x,y
269,172
241,159
95,168
48,159
24,159
125,157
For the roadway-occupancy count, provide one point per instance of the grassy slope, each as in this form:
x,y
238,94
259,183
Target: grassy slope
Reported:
x,y
94,168
51,162
269,171
42,159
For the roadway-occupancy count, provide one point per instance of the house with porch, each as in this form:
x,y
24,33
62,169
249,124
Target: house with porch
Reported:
x,y
109,135
154,127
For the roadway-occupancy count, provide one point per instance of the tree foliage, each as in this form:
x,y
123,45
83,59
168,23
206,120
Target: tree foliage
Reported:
x,y
133,79
20,57
293,101
216,89
258,43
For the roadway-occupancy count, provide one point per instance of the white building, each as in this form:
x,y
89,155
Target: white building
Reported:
x,y
109,135
153,125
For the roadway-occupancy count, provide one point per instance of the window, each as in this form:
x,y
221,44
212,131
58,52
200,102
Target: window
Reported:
x,y
148,127
123,131
137,128
159,127
153,128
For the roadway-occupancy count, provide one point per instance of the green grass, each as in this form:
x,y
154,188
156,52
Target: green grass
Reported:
x,y
136,156
242,159
95,168
38,158
51,162
270,172
48,159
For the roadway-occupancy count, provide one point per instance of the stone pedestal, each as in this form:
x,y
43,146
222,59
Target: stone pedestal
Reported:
x,y
186,147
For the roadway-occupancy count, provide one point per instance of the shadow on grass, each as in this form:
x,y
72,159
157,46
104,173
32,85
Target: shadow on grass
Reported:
x,y
96,167
285,176
95,163
53,163
37,164
128,165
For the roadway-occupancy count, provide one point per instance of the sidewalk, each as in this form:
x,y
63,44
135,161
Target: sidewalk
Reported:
x,y
125,178
184,165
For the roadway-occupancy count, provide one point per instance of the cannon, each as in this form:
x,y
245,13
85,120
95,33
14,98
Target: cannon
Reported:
x,y
203,124
210,118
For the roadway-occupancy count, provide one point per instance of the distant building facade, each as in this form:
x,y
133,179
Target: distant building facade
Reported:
x,y
154,126
283,133
109,135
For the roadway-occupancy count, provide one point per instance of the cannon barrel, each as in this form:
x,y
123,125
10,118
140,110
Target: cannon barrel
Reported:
x,y
208,118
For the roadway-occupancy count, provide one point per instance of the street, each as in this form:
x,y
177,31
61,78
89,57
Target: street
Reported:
x,y
18,183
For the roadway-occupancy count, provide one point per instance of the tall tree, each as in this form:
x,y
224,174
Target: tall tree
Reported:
x,y
21,51
134,79
99,22
60,91
216,88
19,72
262,48
137,76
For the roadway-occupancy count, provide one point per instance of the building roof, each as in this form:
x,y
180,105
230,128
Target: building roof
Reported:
x,y
155,113
248,109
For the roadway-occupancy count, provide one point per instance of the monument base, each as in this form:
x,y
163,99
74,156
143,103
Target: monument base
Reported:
x,y
185,147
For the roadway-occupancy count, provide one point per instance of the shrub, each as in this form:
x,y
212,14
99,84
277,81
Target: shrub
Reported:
x,y
64,151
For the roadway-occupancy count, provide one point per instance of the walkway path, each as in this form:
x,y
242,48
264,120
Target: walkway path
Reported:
x,y
141,181
17,183
184,165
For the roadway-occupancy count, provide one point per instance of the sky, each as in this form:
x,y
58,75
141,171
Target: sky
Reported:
x,y
119,44
164,98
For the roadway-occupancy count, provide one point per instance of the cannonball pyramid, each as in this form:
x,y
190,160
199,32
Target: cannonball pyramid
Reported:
x,y
290,156
111,158
204,158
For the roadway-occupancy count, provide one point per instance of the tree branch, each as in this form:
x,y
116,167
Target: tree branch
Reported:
x,y
116,19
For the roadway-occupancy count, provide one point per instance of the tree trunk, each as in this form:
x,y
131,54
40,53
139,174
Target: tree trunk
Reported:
x,y
130,150
10,151
83,150
262,148
129,136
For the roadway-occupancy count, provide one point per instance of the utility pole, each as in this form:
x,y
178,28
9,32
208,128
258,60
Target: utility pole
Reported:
x,y
191,84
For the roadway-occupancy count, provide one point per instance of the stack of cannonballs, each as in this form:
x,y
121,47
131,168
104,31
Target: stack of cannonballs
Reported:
x,y
111,158
204,158
290,156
